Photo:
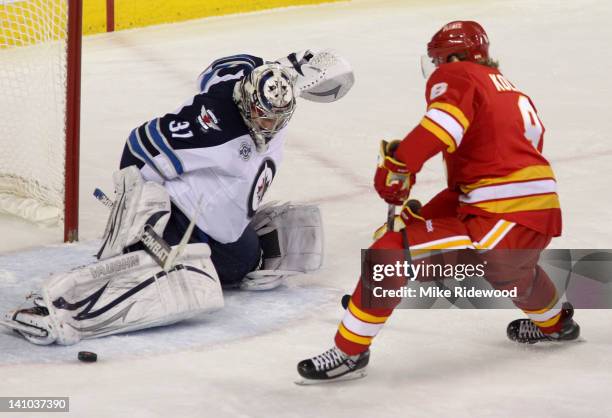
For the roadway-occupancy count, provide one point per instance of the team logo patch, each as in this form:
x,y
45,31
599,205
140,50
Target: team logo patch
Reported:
x,y
208,120
260,186
245,151
437,90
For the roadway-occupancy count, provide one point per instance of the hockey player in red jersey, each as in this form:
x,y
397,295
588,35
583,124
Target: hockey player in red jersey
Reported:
x,y
501,194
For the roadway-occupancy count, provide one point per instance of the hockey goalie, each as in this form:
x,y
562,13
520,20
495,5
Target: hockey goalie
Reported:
x,y
187,219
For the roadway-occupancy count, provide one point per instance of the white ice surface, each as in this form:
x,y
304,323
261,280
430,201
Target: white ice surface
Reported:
x,y
241,362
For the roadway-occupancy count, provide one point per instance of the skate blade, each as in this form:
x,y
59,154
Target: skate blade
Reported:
x,y
347,377
549,343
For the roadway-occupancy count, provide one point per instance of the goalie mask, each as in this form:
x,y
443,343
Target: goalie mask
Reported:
x,y
266,101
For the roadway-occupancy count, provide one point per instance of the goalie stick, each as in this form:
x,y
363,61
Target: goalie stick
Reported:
x,y
177,250
154,245
103,198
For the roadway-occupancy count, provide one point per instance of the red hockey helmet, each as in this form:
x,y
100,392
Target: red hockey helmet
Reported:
x,y
464,38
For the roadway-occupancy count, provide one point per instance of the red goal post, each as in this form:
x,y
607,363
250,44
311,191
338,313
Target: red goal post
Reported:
x,y
73,120
40,74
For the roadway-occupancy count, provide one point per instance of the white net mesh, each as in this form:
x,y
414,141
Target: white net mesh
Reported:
x,y
32,108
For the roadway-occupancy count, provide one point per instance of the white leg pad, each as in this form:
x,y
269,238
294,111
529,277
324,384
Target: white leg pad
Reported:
x,y
131,292
137,203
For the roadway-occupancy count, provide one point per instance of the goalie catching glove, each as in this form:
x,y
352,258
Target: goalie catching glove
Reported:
x,y
320,76
392,180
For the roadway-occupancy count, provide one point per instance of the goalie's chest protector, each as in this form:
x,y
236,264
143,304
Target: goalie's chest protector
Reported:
x,y
227,195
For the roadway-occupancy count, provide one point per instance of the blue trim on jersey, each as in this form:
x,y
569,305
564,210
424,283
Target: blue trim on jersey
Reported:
x,y
222,63
139,151
164,147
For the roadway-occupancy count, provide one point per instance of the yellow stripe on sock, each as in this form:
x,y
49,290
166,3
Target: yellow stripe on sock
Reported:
x,y
352,337
547,308
366,317
548,323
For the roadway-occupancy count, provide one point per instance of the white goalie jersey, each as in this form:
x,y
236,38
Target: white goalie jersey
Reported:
x,y
204,156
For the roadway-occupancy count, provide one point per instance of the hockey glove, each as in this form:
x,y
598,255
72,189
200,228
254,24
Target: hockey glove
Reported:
x,y
392,180
410,210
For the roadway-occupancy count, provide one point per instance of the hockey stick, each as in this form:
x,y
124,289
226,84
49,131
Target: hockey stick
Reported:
x,y
390,225
390,217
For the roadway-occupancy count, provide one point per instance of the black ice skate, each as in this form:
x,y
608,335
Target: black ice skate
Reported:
x,y
525,331
333,365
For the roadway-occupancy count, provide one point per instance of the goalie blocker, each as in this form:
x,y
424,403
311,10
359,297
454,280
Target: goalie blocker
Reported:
x,y
291,239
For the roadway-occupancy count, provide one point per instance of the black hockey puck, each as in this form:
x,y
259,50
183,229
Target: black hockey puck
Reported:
x,y
87,356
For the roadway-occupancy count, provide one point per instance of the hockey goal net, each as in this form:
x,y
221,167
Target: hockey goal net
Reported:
x,y
40,43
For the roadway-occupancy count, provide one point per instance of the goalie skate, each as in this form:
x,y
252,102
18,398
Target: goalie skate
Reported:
x,y
332,366
31,323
